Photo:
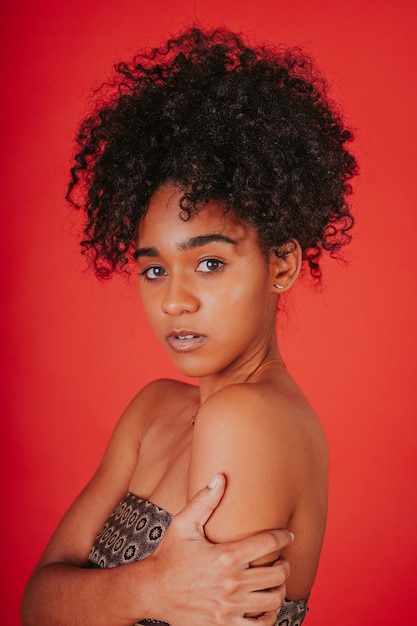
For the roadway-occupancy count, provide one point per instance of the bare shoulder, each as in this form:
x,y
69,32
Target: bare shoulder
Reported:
x,y
156,389
263,410
267,441
155,397
111,480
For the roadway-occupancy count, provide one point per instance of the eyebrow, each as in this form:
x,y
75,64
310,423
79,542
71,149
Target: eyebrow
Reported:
x,y
188,244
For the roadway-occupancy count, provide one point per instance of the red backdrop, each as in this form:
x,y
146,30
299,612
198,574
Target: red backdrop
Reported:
x,y
76,351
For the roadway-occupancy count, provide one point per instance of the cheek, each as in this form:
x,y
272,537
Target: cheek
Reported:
x,y
238,292
241,309
250,292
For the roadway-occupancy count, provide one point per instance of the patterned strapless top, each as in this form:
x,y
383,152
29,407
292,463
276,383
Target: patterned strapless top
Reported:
x,y
134,530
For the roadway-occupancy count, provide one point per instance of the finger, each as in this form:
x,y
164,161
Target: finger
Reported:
x,y
261,578
267,619
199,509
265,602
260,545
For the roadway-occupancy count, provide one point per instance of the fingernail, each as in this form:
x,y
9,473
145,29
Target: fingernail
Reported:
x,y
214,482
292,536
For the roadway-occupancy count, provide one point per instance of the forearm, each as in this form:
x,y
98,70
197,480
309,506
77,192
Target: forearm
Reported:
x,y
59,594
185,580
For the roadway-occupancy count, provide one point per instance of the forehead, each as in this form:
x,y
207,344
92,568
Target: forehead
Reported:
x,y
163,219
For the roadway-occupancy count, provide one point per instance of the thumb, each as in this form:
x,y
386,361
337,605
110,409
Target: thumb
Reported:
x,y
196,513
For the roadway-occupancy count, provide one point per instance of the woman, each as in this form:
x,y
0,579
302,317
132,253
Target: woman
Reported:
x,y
222,169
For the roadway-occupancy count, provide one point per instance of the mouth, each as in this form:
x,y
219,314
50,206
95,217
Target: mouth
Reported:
x,y
185,341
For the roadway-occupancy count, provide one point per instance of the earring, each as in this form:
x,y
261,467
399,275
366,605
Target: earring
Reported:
x,y
278,286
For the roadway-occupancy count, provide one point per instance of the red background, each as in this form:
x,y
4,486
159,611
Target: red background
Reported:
x,y
76,351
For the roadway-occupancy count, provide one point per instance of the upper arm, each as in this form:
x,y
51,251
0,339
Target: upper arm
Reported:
x,y
77,530
236,434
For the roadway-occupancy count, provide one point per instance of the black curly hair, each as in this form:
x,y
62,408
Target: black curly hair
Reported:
x,y
252,127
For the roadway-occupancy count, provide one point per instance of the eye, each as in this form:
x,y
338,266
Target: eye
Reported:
x,y
210,266
153,273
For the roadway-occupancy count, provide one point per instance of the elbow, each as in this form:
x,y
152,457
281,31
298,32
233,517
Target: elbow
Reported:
x,y
29,606
25,612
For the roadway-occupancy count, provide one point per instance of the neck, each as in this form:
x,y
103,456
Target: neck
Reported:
x,y
240,371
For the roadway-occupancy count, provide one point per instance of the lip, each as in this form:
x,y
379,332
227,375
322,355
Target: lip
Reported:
x,y
185,340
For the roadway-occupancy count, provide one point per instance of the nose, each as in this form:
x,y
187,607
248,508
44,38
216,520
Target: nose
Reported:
x,y
179,298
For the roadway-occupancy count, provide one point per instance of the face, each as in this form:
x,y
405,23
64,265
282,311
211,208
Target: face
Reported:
x,y
206,286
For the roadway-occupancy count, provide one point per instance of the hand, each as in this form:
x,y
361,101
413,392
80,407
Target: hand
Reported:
x,y
208,584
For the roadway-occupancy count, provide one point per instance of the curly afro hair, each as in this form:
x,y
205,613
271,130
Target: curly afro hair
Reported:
x,y
252,127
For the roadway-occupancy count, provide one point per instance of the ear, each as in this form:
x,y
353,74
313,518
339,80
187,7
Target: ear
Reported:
x,y
285,266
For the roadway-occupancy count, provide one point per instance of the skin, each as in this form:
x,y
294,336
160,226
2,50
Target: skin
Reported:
x,y
186,578
208,278
210,294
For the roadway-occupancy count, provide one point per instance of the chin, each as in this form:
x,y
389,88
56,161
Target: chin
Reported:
x,y
191,370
